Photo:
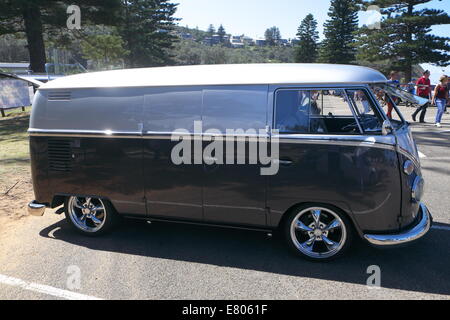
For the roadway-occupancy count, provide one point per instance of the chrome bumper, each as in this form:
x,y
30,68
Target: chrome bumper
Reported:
x,y
416,232
36,209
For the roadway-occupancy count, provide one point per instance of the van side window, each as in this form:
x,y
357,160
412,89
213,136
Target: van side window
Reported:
x,y
330,111
293,111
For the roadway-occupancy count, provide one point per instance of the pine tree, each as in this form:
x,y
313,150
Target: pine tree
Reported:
x,y
338,46
104,49
272,36
306,52
147,27
221,33
404,39
38,17
211,30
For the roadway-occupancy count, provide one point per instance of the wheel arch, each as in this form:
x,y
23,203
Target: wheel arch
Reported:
x,y
59,199
347,212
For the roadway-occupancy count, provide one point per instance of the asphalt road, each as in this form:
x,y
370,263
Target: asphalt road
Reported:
x,y
38,256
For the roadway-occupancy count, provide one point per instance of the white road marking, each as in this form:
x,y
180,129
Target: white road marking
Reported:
x,y
421,155
441,227
44,289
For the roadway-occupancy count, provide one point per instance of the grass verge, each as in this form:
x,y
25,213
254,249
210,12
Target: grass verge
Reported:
x,y
15,180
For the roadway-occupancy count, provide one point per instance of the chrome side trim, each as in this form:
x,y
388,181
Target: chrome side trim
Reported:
x,y
205,136
36,209
235,207
183,204
382,142
84,133
416,232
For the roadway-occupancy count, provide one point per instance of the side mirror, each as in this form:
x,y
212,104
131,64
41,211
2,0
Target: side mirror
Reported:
x,y
386,128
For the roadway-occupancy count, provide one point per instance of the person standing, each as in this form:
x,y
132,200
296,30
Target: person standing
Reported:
x,y
448,101
394,79
423,90
440,98
411,88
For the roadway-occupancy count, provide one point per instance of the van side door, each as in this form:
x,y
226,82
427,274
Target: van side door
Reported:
x,y
332,152
234,190
172,189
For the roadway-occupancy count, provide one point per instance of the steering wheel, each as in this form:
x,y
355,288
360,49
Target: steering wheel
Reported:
x,y
352,127
366,123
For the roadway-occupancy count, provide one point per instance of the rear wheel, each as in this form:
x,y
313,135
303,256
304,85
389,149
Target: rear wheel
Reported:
x,y
89,216
318,232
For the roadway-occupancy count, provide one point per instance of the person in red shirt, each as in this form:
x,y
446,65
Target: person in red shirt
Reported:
x,y
424,91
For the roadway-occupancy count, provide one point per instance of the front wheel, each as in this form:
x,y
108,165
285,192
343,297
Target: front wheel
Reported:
x,y
89,216
318,232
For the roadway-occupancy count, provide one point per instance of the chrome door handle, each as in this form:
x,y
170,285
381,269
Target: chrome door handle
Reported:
x,y
283,162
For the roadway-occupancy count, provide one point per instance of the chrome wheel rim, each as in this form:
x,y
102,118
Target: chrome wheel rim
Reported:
x,y
87,214
318,232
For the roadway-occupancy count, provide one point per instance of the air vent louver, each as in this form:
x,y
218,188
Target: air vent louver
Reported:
x,y
60,95
59,155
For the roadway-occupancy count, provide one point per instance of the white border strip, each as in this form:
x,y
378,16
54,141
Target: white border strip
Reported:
x,y
65,294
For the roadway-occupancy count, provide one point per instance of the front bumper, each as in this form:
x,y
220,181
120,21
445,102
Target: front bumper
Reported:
x,y
416,232
36,209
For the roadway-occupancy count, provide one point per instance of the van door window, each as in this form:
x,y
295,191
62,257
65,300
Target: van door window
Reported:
x,y
389,104
335,115
330,111
369,118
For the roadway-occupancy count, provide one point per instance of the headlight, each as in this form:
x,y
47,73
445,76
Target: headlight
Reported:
x,y
417,189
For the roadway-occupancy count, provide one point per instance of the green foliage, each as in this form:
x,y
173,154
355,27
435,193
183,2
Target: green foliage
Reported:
x,y
308,36
197,34
13,48
187,52
404,39
338,46
146,27
104,50
272,36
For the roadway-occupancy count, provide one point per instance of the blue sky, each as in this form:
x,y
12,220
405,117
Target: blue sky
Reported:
x,y
253,17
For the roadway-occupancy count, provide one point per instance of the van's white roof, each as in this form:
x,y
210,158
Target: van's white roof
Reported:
x,y
237,74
